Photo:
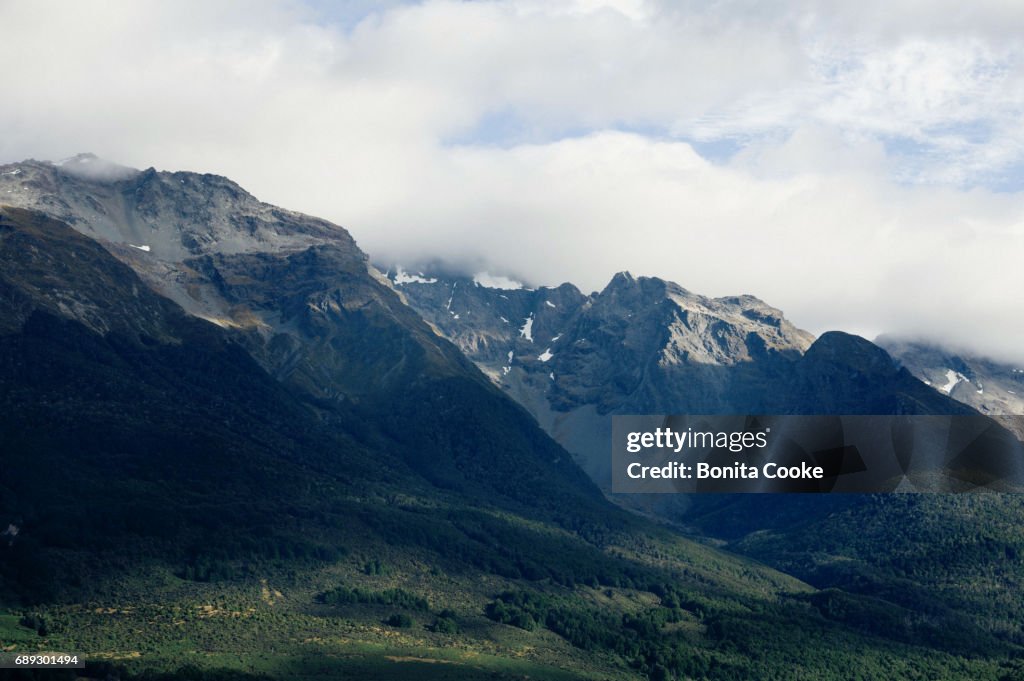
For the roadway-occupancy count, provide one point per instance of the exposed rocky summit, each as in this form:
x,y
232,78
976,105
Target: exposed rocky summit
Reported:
x,y
291,286
171,216
605,348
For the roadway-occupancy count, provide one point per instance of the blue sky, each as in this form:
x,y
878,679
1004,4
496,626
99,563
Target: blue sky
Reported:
x,y
859,165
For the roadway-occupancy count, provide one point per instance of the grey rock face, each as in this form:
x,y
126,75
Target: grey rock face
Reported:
x,y
644,345
641,345
608,348
489,323
171,216
45,266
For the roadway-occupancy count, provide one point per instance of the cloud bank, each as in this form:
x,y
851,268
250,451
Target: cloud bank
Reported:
x,y
859,165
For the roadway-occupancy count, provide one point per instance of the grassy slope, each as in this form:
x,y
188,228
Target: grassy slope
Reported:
x,y
751,621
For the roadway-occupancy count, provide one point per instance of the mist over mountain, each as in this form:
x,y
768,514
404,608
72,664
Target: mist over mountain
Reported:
x,y
858,167
988,385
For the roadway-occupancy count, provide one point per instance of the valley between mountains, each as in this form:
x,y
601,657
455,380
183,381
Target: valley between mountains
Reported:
x,y
232,448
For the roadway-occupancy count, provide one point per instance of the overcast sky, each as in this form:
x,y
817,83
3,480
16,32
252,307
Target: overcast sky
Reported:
x,y
858,164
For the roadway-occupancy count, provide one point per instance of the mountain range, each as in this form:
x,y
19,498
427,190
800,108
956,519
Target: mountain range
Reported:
x,y
231,441
643,345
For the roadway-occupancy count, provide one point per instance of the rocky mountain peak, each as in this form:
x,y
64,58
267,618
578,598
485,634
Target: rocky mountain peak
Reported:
x,y
620,280
168,216
839,349
291,288
625,285
556,349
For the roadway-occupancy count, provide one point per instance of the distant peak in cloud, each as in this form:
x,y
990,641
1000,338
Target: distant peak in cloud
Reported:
x,y
91,166
78,159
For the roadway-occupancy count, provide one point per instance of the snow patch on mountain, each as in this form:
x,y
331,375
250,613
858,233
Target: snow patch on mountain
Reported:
x,y
952,379
403,277
526,330
448,307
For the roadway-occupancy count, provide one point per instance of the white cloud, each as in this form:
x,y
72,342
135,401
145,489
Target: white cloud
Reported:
x,y
491,281
834,251
485,134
